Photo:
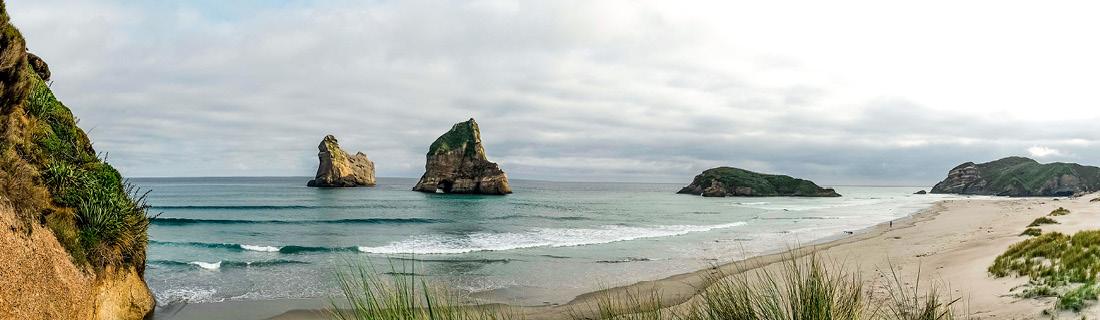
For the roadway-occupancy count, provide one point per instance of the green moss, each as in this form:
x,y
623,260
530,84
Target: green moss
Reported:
x,y
463,135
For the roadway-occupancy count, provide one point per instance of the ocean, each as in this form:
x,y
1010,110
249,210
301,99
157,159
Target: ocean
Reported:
x,y
243,238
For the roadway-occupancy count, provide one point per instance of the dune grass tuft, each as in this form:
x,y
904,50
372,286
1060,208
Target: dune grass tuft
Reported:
x,y
804,288
1032,232
1055,262
401,295
1078,298
1041,221
1059,212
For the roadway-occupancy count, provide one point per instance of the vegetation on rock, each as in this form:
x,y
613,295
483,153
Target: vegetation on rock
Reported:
x,y
337,168
456,163
729,181
1020,177
463,135
50,173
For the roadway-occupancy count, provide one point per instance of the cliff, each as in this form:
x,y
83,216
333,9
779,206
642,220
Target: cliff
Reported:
x,y
456,163
72,233
1020,177
734,182
338,169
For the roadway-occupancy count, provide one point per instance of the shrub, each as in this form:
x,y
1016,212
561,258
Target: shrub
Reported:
x,y
1033,232
1059,212
1041,221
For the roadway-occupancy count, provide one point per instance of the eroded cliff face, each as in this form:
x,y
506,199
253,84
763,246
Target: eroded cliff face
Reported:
x,y
38,280
339,169
56,262
457,164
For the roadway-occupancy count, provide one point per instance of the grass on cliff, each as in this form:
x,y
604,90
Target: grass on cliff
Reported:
x,y
1055,262
806,288
57,179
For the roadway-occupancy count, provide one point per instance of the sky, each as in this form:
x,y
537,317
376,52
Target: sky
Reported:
x,y
839,92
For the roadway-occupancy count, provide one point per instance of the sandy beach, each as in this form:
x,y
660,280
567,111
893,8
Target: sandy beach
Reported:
x,y
951,243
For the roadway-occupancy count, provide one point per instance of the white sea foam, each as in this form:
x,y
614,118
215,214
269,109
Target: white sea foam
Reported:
x,y
536,237
207,265
260,248
188,295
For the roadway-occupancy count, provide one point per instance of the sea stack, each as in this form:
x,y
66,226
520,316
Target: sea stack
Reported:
x,y
457,164
734,182
339,169
1020,177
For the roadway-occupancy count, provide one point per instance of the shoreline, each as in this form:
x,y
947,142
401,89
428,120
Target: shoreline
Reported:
x,y
952,242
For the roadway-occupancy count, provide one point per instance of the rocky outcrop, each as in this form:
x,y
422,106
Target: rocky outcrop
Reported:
x,y
734,182
39,66
457,164
921,192
1020,177
54,263
339,169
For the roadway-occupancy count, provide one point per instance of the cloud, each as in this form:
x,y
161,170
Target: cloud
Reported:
x,y
1043,152
564,90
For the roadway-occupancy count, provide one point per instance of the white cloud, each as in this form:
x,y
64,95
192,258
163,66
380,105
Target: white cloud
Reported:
x,y
844,92
1043,152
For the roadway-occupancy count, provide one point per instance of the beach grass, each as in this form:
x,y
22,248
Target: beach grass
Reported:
x,y
806,288
1032,232
401,294
802,288
1055,263
1041,221
1059,212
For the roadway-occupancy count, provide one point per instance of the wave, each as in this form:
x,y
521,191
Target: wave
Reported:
x,y
269,207
189,221
559,218
804,218
223,263
258,248
538,237
625,260
807,204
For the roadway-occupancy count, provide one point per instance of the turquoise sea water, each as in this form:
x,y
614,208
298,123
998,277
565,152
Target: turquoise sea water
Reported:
x,y
233,239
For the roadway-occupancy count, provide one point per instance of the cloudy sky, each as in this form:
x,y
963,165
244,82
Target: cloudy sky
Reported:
x,y
874,92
